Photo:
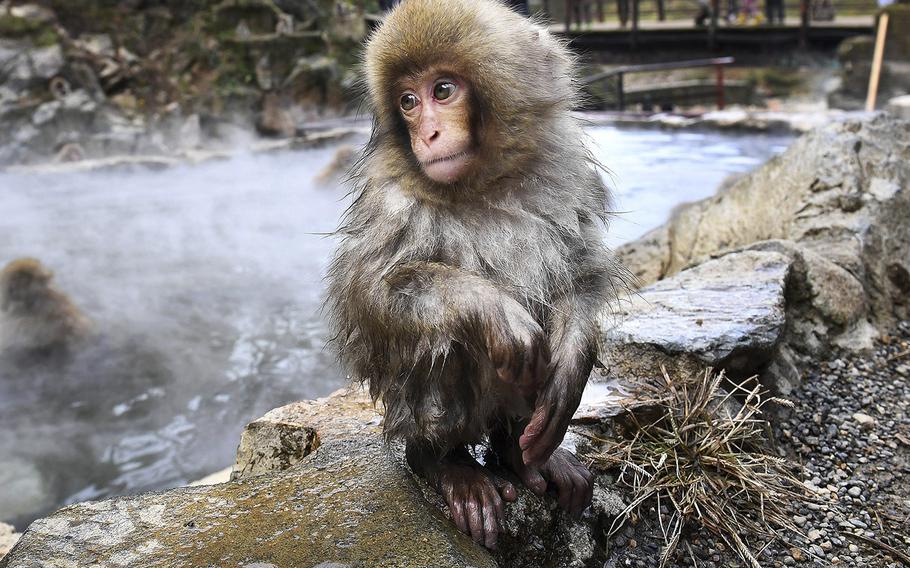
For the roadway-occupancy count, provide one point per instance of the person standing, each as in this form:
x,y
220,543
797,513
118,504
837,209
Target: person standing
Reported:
x,y
774,9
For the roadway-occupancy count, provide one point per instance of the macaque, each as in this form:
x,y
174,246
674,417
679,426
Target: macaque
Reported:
x,y
471,267
36,319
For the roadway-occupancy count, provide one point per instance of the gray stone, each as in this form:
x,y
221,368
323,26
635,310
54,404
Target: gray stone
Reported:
x,y
899,106
727,312
314,485
836,202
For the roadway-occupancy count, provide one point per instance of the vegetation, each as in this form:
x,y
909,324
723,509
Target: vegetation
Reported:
x,y
694,450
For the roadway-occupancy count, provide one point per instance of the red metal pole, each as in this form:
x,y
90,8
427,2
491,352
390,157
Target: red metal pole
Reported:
x,y
720,87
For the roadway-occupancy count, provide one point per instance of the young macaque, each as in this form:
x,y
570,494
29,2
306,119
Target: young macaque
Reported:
x,y
472,268
36,319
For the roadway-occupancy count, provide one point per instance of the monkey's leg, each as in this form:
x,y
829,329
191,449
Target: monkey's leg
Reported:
x,y
474,495
572,481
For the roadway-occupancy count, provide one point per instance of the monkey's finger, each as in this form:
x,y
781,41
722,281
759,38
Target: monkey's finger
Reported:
x,y
506,489
533,480
490,520
475,518
564,490
498,507
456,508
589,493
579,491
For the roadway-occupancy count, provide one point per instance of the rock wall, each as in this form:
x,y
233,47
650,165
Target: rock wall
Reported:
x,y
85,79
836,204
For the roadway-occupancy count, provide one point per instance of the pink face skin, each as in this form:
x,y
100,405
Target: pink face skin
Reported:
x,y
436,108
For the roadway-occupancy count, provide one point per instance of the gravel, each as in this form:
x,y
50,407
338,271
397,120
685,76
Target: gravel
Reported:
x,y
850,429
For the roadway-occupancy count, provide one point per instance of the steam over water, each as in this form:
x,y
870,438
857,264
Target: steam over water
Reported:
x,y
204,283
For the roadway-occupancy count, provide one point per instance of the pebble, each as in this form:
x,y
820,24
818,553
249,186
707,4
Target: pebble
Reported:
x,y
864,420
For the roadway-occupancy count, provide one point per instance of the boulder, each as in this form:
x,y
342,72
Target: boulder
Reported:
x,y
314,485
835,203
726,313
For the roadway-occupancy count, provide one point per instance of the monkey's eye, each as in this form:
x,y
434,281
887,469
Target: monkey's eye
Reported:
x,y
443,90
408,102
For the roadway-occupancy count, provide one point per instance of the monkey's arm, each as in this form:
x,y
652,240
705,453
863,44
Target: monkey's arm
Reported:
x,y
573,341
448,303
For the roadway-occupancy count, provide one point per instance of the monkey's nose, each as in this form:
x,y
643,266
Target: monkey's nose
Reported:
x,y
430,137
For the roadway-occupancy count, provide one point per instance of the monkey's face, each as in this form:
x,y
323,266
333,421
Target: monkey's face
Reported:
x,y
436,107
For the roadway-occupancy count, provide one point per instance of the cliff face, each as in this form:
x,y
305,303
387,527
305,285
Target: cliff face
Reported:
x,y
87,79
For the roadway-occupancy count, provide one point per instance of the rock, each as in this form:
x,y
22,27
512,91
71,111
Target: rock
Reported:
x,y
710,313
339,509
836,203
899,107
314,485
216,478
864,420
8,538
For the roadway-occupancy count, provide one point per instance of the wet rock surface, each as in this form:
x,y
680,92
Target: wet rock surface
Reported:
x,y
313,483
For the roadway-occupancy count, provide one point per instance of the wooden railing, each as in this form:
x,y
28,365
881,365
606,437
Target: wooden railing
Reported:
x,y
619,73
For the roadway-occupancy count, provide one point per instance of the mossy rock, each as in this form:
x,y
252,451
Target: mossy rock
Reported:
x,y
41,33
258,17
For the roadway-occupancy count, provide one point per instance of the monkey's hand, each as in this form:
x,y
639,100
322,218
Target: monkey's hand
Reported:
x,y
518,348
553,411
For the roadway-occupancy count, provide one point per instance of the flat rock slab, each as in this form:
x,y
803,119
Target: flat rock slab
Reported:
x,y
314,486
351,505
727,306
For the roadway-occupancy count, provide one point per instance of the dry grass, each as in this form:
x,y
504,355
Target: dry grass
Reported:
x,y
686,451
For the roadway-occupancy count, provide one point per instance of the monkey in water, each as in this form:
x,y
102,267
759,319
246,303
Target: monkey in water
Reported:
x,y
36,319
471,267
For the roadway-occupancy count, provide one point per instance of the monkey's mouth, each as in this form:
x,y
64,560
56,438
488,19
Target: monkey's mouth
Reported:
x,y
456,156
447,169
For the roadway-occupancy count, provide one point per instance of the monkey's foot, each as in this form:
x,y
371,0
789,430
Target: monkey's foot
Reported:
x,y
474,496
572,481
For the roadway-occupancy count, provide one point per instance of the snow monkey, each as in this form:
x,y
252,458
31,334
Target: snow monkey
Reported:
x,y
36,319
471,266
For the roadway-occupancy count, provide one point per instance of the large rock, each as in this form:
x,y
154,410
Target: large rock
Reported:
x,y
726,313
314,486
837,203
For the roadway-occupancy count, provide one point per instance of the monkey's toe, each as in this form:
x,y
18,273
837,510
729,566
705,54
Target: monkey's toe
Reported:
x,y
475,501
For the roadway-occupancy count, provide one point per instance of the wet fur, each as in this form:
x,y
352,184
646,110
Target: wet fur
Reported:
x,y
36,319
422,268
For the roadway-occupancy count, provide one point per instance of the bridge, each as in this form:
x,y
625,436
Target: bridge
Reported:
x,y
599,26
